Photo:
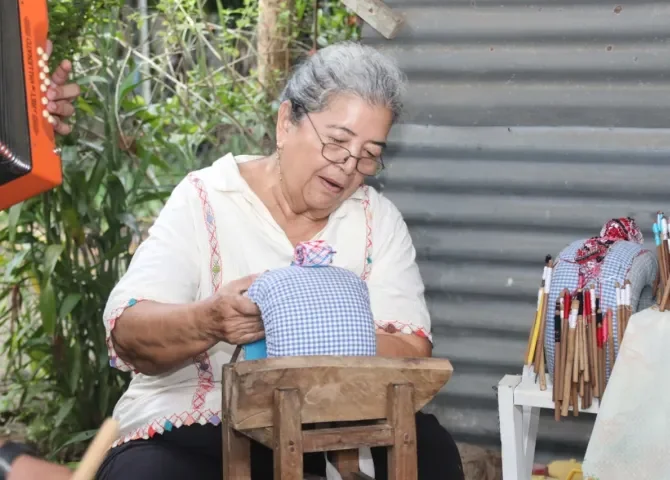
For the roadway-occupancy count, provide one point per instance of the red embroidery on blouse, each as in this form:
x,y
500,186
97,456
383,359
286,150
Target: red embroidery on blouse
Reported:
x,y
202,361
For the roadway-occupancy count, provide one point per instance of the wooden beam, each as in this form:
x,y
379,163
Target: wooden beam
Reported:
x,y
330,388
332,439
378,15
347,438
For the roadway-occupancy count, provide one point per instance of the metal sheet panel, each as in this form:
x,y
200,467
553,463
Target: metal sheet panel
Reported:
x,y
529,125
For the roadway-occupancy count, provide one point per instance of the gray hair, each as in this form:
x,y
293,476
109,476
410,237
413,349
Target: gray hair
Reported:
x,y
345,68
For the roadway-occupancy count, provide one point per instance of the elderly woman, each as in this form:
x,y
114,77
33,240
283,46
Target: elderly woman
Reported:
x,y
180,310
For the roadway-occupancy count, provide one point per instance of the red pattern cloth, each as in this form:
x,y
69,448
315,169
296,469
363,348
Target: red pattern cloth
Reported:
x,y
314,253
591,255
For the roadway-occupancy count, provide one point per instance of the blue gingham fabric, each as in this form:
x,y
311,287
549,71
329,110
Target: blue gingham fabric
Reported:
x,y
315,310
624,260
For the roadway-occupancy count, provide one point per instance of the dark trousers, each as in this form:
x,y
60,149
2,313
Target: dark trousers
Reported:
x,y
195,452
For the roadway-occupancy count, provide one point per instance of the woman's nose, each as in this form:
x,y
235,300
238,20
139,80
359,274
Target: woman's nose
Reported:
x,y
349,166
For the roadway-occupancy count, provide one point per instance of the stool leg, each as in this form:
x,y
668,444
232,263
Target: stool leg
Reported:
x,y
287,433
236,447
514,461
531,421
402,456
236,454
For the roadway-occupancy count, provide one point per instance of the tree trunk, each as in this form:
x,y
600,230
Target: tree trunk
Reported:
x,y
274,40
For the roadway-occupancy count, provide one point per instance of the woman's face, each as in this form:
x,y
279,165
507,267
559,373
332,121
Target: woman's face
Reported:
x,y
313,182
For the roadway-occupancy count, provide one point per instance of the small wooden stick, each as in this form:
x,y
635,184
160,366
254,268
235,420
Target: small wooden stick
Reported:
x,y
629,307
539,359
577,356
564,342
585,352
663,228
97,450
619,311
543,375
600,329
664,247
666,296
567,380
534,331
593,346
603,371
610,331
557,349
662,276
557,362
580,354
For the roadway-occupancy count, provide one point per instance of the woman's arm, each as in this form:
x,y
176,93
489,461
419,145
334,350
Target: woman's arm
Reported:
x,y
396,287
27,467
158,337
402,345
153,319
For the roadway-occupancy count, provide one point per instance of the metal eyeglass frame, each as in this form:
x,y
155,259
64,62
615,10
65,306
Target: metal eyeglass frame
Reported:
x,y
379,162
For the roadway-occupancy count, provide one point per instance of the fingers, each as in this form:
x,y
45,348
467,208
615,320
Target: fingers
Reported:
x,y
62,128
249,338
241,285
63,92
244,306
241,330
62,73
61,108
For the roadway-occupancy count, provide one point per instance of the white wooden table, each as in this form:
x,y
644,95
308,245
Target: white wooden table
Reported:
x,y
519,403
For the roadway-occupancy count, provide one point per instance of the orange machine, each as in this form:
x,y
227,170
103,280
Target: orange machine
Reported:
x,y
29,162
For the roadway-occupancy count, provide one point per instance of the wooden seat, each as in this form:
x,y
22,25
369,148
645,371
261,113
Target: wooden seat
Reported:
x,y
296,405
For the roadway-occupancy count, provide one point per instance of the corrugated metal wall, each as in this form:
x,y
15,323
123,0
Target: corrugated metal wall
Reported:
x,y
529,125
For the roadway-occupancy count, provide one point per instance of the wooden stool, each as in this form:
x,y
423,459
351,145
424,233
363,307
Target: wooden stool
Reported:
x,y
271,400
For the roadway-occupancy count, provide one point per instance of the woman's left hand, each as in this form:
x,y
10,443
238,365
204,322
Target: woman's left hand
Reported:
x,y
61,95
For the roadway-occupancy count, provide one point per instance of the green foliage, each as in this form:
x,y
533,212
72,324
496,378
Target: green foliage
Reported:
x,y
68,18
62,252
334,23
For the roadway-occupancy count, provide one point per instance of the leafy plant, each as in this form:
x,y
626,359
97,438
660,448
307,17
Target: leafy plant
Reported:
x,y
61,253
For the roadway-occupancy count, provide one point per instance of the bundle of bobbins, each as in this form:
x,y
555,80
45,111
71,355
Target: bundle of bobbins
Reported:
x,y
662,240
583,339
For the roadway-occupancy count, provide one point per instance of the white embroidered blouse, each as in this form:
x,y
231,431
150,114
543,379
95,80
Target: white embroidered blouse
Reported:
x,y
213,230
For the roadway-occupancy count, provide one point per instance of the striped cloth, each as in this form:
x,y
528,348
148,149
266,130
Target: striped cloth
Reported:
x,y
624,261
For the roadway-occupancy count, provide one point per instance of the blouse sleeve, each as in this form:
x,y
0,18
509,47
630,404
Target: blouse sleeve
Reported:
x,y
395,283
164,267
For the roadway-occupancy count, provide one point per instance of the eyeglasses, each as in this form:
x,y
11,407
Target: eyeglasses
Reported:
x,y
368,166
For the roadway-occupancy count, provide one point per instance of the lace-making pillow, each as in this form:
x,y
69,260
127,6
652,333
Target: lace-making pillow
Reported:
x,y
313,308
616,255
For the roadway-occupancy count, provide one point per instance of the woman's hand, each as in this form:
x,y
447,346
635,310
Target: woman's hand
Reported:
x,y
234,318
29,468
61,95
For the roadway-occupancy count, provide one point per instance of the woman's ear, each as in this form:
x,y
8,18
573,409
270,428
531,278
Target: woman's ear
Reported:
x,y
283,121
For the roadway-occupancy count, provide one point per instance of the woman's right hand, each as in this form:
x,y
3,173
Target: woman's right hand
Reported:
x,y
234,318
